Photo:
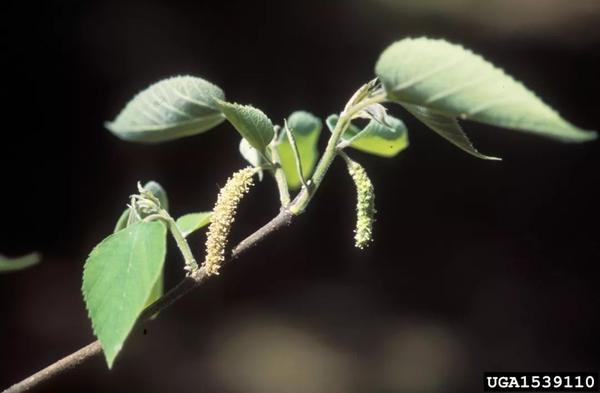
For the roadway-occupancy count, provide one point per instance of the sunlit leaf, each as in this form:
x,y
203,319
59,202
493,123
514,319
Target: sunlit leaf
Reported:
x,y
306,129
252,124
118,278
18,263
251,155
170,109
375,138
457,83
191,222
127,218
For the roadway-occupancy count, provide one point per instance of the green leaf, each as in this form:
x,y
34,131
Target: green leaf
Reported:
x,y
455,82
306,129
170,109
125,220
447,127
118,278
251,123
122,221
375,138
156,292
192,222
18,263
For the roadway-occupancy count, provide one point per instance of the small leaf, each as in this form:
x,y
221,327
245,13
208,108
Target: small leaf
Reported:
x,y
375,138
458,83
251,123
191,222
118,278
18,263
251,155
447,127
306,129
170,109
158,191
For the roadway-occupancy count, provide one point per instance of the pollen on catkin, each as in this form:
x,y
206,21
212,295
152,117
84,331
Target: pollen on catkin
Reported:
x,y
365,204
223,217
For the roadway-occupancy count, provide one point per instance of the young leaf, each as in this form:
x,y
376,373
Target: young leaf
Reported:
x,y
19,263
191,222
118,278
252,155
458,83
375,138
251,123
170,109
447,127
158,191
306,129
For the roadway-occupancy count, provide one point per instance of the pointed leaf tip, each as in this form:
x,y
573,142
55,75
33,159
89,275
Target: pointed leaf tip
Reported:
x,y
252,124
455,82
118,278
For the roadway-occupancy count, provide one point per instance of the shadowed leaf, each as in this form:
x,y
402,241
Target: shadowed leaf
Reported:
x,y
8,265
170,109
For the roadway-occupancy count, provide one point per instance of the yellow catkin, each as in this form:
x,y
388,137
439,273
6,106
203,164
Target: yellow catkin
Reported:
x,y
223,217
365,204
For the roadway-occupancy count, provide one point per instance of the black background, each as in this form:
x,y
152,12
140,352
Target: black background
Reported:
x,y
476,266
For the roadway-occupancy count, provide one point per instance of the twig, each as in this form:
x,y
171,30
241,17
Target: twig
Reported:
x,y
187,284
64,364
181,289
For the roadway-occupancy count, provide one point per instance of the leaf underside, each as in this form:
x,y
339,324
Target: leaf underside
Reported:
x,y
306,129
119,276
170,109
457,83
447,127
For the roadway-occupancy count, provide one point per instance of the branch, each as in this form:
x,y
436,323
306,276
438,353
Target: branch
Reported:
x,y
186,285
181,289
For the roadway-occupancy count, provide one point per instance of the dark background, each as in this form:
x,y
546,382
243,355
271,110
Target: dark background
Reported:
x,y
476,266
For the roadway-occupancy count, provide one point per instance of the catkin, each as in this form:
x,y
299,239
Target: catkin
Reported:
x,y
365,204
223,217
